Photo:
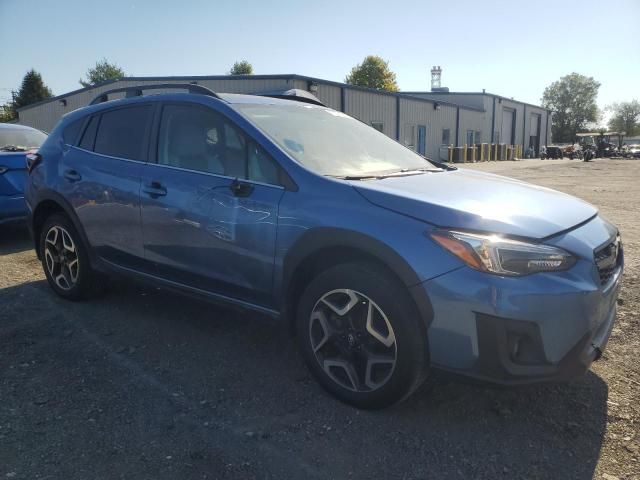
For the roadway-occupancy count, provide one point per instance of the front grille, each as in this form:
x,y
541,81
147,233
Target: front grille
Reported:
x,y
608,260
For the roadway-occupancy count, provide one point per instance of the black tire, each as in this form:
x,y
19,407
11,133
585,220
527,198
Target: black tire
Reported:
x,y
393,300
87,281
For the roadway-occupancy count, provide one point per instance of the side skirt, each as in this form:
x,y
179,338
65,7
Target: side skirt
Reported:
x,y
185,289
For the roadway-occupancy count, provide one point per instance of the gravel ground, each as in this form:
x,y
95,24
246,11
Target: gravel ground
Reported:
x,y
143,383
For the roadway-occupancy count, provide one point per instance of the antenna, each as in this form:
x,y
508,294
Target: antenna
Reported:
x,y
436,77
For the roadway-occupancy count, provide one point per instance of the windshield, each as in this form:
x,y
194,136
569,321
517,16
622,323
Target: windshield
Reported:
x,y
332,143
20,139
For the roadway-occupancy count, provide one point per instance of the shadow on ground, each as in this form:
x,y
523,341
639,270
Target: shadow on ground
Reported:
x,y
14,239
146,383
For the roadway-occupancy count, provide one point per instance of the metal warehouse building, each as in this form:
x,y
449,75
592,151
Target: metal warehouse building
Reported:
x,y
427,122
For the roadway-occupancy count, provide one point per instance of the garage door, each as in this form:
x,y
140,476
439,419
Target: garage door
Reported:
x,y
506,135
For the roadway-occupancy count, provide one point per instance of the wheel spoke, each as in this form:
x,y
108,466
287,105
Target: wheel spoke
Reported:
x,y
67,243
388,339
52,237
341,310
372,361
348,369
73,270
49,260
60,279
319,318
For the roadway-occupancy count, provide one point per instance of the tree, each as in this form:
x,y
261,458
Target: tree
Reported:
x,y
241,68
102,72
626,117
31,90
572,100
373,72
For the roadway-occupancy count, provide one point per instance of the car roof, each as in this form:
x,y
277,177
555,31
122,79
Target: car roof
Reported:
x,y
259,99
228,98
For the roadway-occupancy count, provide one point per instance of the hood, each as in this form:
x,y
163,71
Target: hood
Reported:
x,y
471,200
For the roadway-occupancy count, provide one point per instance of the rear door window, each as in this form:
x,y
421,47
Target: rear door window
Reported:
x,y
123,132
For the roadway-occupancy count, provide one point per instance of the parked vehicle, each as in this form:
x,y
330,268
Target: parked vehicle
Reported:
x,y
607,150
589,152
15,142
383,263
633,151
573,152
553,152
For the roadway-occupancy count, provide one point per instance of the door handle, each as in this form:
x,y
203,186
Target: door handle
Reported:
x,y
241,189
154,190
72,175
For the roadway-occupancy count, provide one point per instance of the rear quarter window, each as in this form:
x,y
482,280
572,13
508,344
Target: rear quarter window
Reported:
x,y
72,132
89,136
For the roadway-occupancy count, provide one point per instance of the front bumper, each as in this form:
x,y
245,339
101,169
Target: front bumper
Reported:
x,y
536,330
515,330
13,209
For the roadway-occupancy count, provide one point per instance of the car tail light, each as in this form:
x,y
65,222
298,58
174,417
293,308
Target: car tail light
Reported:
x,y
33,159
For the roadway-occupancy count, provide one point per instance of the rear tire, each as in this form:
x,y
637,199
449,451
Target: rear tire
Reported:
x,y
361,335
65,260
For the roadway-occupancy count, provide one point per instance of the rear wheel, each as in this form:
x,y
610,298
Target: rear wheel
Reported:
x,y
361,336
65,260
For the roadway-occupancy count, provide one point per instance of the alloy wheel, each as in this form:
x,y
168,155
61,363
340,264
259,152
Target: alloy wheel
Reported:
x,y
61,257
353,340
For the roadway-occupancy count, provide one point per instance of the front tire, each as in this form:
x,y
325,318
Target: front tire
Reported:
x,y
361,335
65,260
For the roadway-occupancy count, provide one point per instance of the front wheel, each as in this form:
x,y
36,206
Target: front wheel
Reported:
x,y
361,336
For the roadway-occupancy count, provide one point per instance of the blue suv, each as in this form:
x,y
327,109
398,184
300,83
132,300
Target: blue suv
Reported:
x,y
383,263
16,142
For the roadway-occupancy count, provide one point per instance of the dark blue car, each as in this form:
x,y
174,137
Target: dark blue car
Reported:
x,y
15,142
383,263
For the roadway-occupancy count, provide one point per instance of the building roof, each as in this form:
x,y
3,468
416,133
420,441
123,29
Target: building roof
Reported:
x,y
191,78
487,94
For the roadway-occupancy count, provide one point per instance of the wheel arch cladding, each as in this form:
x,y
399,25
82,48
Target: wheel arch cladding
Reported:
x,y
322,248
50,202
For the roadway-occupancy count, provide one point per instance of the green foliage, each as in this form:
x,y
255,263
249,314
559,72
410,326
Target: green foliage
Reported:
x,y
573,102
625,118
373,72
7,113
102,72
31,90
241,68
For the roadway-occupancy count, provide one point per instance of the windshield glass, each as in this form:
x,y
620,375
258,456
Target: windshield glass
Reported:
x,y
17,139
332,143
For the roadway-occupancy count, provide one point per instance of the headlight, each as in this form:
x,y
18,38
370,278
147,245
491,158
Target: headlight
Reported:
x,y
493,254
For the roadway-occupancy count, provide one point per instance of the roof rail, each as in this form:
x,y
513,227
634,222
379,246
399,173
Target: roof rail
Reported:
x,y
137,90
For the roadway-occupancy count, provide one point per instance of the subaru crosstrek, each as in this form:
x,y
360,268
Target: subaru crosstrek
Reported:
x,y
384,263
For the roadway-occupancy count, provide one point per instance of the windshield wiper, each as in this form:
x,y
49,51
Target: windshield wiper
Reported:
x,y
397,173
357,177
13,148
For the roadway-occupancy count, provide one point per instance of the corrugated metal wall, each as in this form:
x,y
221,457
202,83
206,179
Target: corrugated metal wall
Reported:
x,y
371,107
416,112
478,122
367,106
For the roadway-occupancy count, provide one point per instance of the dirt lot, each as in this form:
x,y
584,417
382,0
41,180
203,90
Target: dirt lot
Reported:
x,y
143,383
